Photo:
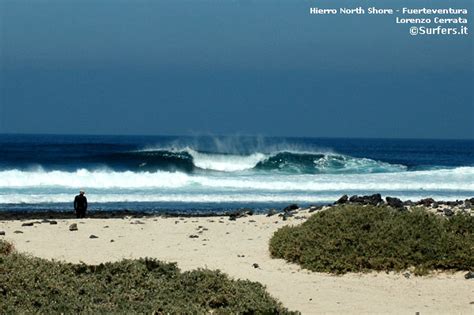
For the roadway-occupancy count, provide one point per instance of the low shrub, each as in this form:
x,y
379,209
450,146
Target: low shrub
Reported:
x,y
34,285
354,238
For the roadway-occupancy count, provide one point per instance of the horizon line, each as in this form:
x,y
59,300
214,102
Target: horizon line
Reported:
x,y
223,135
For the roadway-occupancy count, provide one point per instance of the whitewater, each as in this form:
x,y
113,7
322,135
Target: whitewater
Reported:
x,y
38,173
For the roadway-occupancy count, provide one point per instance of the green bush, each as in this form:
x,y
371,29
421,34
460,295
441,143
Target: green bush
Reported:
x,y
34,285
354,238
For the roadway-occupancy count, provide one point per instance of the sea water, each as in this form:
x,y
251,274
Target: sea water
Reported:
x,y
214,174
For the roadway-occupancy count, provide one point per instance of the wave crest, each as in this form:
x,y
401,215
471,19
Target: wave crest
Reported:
x,y
289,162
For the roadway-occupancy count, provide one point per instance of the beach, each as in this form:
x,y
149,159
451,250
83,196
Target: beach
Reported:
x,y
239,248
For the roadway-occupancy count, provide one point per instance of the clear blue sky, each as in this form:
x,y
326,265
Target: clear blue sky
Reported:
x,y
230,67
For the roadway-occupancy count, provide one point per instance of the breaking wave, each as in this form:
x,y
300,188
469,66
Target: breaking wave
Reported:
x,y
189,160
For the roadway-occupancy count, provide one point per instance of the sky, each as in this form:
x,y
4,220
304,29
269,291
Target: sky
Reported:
x,y
230,67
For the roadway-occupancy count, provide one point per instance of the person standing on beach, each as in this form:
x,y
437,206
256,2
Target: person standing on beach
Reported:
x,y
80,205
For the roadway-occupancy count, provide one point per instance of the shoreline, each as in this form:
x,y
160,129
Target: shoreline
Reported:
x,y
374,199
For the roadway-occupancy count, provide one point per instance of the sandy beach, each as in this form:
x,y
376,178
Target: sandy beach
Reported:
x,y
240,249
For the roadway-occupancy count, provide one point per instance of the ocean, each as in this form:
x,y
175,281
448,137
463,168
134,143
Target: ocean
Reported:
x,y
205,174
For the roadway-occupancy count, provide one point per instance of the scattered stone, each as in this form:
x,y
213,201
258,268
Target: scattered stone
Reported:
x,y
407,275
111,241
137,222
52,222
408,203
342,200
469,275
240,214
394,202
193,236
435,205
448,212
252,221
28,224
2,232
106,226
373,200
255,265
271,212
93,236
291,208
73,227
18,232
315,208
426,202
220,221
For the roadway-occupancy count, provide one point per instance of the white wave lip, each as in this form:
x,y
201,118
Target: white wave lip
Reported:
x,y
224,162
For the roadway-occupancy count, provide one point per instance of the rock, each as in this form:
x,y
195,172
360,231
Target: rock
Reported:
x,y
18,232
342,200
373,200
111,241
285,215
408,203
271,212
73,227
137,222
28,224
2,232
435,205
469,275
52,222
426,202
315,208
240,214
93,236
290,208
194,236
394,202
255,265
247,211
448,212
407,275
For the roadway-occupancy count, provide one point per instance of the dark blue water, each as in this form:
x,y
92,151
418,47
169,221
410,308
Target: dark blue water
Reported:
x,y
39,172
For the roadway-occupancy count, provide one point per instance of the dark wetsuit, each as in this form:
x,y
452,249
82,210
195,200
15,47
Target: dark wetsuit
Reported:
x,y
80,205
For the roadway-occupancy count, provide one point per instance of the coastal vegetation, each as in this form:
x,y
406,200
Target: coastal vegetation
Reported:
x,y
146,286
360,238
